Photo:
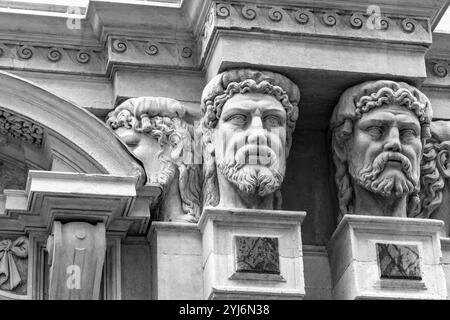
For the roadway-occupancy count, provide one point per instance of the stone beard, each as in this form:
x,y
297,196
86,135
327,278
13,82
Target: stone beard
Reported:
x,y
256,166
247,134
377,148
373,176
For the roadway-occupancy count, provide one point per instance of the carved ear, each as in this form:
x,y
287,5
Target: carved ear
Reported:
x,y
443,163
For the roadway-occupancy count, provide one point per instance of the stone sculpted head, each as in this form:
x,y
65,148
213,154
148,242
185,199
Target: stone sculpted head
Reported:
x,y
378,132
248,117
154,129
435,174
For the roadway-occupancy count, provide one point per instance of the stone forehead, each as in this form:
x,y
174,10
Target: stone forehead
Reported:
x,y
219,83
347,105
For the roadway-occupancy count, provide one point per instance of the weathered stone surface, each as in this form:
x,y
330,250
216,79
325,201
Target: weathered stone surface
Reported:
x,y
156,132
435,191
222,279
257,255
248,117
76,256
377,133
398,261
360,272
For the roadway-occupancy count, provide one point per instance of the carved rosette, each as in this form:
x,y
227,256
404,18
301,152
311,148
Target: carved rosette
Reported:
x,y
409,25
54,54
384,23
119,46
222,10
25,52
275,14
330,19
151,49
186,52
249,13
83,57
303,16
440,69
357,20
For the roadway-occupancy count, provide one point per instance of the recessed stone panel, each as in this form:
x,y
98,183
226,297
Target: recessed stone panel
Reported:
x,y
397,261
257,255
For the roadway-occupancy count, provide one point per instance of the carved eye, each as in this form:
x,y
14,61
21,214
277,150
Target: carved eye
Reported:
x,y
408,133
272,121
237,119
375,132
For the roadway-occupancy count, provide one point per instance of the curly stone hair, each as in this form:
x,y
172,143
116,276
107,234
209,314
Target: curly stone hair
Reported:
x,y
218,91
432,177
162,118
358,100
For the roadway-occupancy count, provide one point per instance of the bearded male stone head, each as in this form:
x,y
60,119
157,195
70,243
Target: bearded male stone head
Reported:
x,y
378,131
248,117
155,131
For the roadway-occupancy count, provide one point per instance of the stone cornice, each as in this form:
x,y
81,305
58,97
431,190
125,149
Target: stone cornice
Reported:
x,y
296,20
438,62
180,34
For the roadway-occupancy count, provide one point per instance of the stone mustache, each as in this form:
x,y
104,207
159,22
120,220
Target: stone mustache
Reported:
x,y
248,117
245,133
379,129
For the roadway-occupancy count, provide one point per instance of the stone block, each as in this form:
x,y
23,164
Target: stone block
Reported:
x,y
176,253
374,257
252,254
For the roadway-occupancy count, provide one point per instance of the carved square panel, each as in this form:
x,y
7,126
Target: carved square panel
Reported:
x,y
398,261
257,255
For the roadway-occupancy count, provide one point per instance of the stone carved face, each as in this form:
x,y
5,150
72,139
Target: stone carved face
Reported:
x,y
385,152
155,131
248,117
249,142
158,158
379,129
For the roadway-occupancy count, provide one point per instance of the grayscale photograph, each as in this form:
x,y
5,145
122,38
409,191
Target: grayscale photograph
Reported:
x,y
245,150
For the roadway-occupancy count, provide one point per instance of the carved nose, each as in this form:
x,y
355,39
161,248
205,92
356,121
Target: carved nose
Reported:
x,y
257,137
393,141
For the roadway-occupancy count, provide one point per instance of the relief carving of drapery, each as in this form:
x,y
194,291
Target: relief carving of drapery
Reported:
x,y
9,274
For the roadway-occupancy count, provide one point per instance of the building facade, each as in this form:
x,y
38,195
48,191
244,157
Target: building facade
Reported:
x,y
128,131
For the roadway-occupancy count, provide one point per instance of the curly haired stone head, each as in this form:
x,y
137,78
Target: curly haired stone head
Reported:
x,y
433,169
222,88
361,99
163,119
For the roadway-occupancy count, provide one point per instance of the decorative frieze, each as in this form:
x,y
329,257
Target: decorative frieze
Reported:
x,y
330,18
62,59
151,52
20,128
379,26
